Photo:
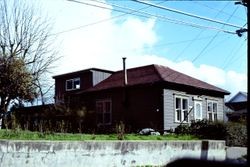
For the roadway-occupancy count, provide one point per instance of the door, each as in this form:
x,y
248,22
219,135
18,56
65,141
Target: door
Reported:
x,y
197,110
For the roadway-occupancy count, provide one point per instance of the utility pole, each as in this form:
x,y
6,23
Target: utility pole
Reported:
x,y
240,31
242,2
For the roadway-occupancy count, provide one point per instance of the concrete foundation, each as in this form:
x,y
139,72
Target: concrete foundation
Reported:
x,y
105,153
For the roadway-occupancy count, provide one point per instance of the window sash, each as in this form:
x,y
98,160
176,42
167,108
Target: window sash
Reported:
x,y
178,115
212,108
76,83
69,84
181,109
104,110
73,84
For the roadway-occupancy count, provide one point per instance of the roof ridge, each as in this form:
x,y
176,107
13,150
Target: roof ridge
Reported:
x,y
158,72
240,92
134,68
183,74
84,70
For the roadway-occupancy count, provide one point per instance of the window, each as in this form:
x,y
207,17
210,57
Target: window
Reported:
x,y
73,84
212,110
181,109
197,110
103,109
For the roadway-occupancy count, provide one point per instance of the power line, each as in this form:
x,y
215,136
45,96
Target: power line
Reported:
x,y
133,11
201,4
212,38
97,22
170,43
169,19
231,56
100,21
187,14
87,25
199,34
183,41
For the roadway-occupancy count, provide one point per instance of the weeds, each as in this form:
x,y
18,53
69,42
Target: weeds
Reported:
x,y
28,135
120,130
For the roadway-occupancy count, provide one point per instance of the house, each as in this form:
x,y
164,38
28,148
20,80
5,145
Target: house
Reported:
x,y
237,106
152,96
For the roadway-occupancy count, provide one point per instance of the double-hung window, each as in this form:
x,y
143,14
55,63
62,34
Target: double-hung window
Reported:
x,y
104,110
181,109
73,84
212,110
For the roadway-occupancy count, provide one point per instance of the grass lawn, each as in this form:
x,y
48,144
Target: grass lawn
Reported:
x,y
28,135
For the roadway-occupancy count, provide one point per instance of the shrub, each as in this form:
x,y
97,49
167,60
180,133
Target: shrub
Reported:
x,y
197,127
237,134
183,129
212,130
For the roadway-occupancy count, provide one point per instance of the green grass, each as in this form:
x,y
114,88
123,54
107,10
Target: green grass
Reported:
x,y
28,135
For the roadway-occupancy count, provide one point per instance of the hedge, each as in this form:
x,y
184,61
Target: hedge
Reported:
x,y
235,134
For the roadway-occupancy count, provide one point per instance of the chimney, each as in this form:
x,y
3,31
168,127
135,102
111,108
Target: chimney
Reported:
x,y
125,71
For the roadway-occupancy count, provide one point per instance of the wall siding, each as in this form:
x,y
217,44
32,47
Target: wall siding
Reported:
x,y
169,107
168,113
99,76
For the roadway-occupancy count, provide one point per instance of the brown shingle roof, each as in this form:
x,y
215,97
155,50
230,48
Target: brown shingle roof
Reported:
x,y
152,74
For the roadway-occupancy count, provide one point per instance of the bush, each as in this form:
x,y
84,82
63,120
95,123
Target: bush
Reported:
x,y
235,134
183,129
197,128
210,130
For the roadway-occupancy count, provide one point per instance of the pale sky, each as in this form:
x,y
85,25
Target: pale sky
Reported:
x,y
90,36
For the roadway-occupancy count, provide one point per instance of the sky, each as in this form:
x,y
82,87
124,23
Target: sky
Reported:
x,y
90,33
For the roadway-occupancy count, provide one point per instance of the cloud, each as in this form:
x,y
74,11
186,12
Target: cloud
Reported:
x,y
103,45
134,33
228,80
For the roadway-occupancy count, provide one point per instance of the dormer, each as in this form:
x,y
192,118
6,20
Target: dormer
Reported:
x,y
70,83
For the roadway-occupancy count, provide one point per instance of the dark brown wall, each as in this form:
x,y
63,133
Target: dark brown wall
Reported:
x,y
60,84
143,108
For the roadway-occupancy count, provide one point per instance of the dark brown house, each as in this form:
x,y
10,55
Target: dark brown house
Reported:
x,y
150,96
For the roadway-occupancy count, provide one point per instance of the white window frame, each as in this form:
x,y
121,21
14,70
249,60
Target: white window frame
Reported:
x,y
182,110
74,87
195,110
214,114
104,111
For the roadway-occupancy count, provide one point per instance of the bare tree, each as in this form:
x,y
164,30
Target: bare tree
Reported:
x,y
24,40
